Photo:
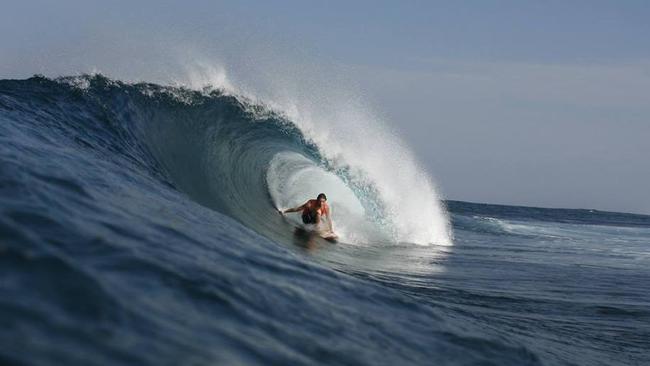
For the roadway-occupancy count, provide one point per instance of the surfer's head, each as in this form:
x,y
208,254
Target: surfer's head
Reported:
x,y
322,198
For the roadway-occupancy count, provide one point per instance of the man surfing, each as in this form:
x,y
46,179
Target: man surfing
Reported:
x,y
313,211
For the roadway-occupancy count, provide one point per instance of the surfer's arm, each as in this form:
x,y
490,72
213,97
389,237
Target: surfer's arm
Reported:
x,y
329,219
329,225
295,209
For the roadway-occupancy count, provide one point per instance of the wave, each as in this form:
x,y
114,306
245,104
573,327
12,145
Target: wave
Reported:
x,y
122,210
244,158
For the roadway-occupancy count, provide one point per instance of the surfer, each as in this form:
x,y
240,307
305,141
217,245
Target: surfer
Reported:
x,y
313,211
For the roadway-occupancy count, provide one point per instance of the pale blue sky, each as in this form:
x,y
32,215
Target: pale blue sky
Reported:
x,y
541,103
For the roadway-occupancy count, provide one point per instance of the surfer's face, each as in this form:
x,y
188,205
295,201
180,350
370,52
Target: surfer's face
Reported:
x,y
321,201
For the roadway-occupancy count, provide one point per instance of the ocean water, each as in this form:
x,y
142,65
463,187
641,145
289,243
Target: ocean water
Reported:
x,y
138,226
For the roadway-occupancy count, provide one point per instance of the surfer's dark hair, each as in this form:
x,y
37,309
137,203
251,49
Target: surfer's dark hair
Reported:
x,y
322,195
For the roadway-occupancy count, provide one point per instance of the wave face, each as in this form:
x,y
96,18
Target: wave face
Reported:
x,y
138,226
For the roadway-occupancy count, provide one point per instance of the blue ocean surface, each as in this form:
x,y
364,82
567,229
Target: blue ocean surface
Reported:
x,y
138,226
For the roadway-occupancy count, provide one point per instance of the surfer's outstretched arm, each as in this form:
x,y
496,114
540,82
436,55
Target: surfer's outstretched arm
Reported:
x,y
295,209
328,214
329,223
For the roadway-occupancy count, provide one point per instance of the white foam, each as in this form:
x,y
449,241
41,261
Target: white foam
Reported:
x,y
202,75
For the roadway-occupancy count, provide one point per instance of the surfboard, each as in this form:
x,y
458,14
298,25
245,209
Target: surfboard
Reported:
x,y
327,235
330,236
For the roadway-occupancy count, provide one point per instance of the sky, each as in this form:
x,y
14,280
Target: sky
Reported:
x,y
543,103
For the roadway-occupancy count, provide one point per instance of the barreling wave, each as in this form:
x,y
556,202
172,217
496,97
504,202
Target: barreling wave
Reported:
x,y
245,159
